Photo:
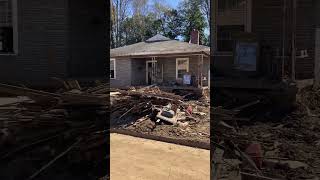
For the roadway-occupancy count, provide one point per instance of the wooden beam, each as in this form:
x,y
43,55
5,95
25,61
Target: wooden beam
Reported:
x,y
293,40
198,73
201,71
317,60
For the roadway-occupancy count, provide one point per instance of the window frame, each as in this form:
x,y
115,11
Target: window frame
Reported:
x,y
228,4
114,68
181,59
229,36
14,25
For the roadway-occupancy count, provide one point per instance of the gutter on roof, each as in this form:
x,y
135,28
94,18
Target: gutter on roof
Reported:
x,y
164,55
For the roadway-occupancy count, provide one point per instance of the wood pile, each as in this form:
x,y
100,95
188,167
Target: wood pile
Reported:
x,y
37,119
140,101
276,147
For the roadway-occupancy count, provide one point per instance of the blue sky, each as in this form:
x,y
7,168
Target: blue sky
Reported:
x,y
173,3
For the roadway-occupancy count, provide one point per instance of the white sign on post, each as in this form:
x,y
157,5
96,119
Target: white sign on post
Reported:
x,y
187,79
246,56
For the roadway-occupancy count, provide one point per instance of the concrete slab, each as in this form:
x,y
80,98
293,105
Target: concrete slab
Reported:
x,y
134,158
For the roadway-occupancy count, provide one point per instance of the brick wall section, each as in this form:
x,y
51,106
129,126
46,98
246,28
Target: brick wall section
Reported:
x,y
305,38
5,12
42,47
87,42
170,67
57,38
234,16
123,73
267,24
138,72
133,72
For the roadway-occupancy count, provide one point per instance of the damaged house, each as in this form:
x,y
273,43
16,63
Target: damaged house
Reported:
x,y
274,39
264,45
44,39
162,61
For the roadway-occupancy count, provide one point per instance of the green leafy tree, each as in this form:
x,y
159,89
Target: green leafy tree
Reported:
x,y
172,24
192,18
147,20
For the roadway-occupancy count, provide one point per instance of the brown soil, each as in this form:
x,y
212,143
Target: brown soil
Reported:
x,y
294,137
134,158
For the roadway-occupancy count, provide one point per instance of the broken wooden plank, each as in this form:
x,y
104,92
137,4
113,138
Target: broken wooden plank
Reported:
x,y
53,160
246,105
31,93
217,159
256,177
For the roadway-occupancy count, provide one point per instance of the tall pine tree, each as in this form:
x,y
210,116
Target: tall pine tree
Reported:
x,y
192,18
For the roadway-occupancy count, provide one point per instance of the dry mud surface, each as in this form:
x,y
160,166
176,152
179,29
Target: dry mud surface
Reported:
x,y
134,158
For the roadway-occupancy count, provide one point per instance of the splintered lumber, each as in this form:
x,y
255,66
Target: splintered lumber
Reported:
x,y
104,88
133,107
246,105
54,160
32,93
217,159
169,97
22,148
65,85
73,84
82,99
222,111
246,158
254,176
68,84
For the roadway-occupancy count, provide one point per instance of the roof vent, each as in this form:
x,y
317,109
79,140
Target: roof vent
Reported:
x,y
157,38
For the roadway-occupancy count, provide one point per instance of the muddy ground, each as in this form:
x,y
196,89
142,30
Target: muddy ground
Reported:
x,y
290,143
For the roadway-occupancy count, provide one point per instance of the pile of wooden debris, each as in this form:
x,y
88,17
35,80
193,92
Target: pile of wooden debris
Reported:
x,y
50,132
273,147
149,110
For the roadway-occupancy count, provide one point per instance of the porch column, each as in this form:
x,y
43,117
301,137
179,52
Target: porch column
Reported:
x,y
153,71
201,71
198,72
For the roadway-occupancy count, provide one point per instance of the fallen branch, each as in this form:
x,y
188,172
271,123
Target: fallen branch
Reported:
x,y
53,160
29,145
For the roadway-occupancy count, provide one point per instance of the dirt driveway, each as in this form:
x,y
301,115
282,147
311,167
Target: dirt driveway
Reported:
x,y
134,158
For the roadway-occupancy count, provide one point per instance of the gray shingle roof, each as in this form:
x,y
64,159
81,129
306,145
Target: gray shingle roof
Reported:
x,y
159,45
158,37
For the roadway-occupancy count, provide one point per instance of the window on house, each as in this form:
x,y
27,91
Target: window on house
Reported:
x,y
6,26
182,67
112,68
229,4
225,42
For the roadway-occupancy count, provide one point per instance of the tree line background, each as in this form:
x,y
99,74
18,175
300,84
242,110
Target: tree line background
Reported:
x,y
134,21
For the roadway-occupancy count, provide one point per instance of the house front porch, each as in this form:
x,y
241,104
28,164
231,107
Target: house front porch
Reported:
x,y
168,72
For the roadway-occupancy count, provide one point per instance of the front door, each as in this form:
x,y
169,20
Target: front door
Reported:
x,y
151,72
